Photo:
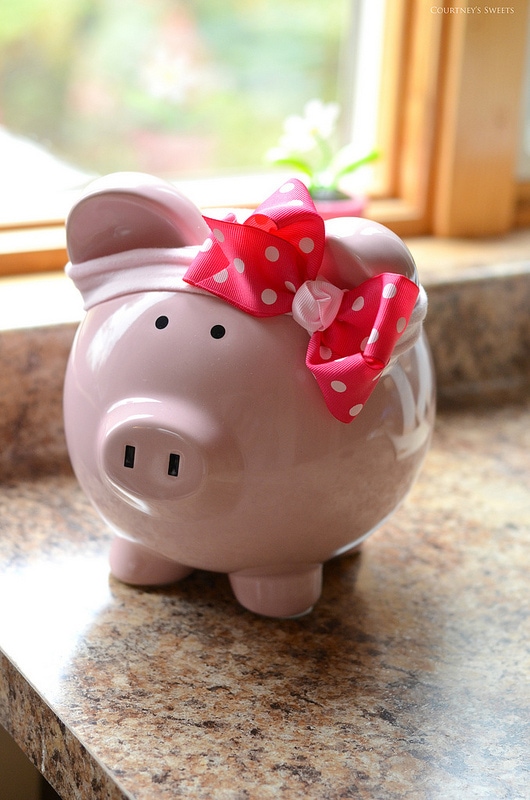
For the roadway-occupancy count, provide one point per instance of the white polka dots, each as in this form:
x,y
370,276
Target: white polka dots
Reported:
x,y
355,410
272,253
306,245
221,277
389,291
358,304
269,297
266,271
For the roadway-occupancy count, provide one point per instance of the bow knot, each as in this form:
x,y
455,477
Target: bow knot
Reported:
x,y
316,305
269,265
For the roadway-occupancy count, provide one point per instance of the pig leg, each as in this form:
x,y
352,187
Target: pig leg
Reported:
x,y
133,563
279,593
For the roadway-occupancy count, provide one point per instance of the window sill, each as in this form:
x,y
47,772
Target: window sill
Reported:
x,y
49,298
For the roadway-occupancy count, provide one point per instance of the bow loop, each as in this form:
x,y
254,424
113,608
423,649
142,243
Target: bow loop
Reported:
x,y
258,265
348,357
269,265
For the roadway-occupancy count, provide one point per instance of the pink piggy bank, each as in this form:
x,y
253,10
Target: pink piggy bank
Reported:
x,y
251,397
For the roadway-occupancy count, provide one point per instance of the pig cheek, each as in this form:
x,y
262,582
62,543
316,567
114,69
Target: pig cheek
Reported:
x,y
126,382
251,380
248,371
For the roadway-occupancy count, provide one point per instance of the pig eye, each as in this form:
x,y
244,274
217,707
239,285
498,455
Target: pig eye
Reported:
x,y
161,322
217,332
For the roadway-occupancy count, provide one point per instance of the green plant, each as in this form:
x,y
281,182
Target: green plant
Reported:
x,y
308,145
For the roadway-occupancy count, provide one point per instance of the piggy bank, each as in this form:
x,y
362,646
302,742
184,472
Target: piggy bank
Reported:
x,y
251,394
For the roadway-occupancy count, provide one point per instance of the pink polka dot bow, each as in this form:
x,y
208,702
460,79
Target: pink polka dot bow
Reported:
x,y
269,265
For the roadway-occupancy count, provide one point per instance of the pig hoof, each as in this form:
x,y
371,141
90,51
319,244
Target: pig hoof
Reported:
x,y
133,563
279,594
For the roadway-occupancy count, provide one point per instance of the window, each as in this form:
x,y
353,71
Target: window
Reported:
x,y
177,88
185,89
439,85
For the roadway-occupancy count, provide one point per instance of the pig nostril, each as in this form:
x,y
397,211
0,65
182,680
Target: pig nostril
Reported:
x,y
173,466
130,451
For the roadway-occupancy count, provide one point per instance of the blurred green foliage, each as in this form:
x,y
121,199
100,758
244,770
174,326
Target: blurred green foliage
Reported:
x,y
177,87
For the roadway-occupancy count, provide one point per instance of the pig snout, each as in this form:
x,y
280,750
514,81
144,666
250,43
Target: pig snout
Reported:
x,y
156,450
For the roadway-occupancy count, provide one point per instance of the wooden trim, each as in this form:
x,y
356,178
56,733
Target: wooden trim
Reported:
x,y
40,249
522,205
43,249
482,67
407,118
393,70
419,108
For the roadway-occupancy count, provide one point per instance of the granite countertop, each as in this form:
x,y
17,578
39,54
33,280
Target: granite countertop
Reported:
x,y
408,680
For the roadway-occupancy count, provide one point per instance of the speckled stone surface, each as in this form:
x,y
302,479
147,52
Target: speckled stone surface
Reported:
x,y
32,367
409,679
479,329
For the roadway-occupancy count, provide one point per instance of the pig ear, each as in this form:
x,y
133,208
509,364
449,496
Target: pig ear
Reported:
x,y
129,210
357,249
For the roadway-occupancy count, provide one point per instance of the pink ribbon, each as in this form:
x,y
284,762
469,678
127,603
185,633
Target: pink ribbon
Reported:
x,y
269,265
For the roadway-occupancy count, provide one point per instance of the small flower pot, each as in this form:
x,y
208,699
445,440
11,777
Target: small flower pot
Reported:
x,y
330,205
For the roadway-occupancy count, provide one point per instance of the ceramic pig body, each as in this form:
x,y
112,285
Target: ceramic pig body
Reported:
x,y
197,430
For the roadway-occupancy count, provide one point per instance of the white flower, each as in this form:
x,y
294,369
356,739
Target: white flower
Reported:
x,y
322,117
307,145
301,133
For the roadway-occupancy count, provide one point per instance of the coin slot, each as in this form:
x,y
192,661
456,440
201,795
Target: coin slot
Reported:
x,y
173,466
130,452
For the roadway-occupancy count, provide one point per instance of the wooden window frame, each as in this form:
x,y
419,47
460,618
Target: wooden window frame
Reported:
x,y
454,87
449,132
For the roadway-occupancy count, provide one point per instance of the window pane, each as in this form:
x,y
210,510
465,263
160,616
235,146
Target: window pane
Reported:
x,y
180,88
